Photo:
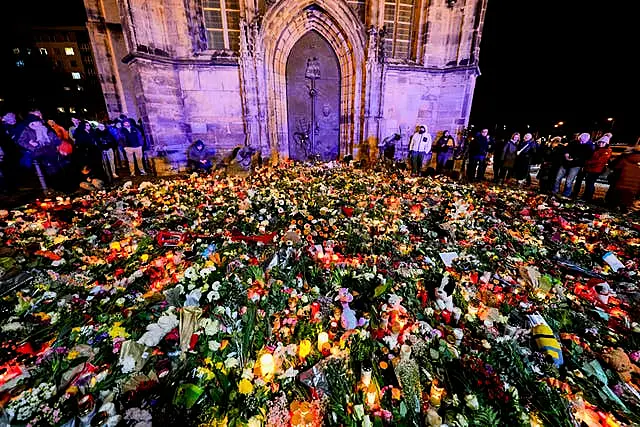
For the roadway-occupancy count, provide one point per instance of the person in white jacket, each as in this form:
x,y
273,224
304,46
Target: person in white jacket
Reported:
x,y
419,149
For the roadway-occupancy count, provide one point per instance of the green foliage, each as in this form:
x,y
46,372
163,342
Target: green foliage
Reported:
x,y
486,417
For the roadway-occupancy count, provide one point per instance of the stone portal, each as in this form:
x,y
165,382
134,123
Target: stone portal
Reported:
x,y
312,68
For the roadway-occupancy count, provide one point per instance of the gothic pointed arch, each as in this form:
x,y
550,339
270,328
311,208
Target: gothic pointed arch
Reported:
x,y
283,25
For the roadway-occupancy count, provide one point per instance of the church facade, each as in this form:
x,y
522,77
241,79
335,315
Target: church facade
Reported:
x,y
293,78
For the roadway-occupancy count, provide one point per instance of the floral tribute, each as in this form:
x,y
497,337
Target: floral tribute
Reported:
x,y
318,295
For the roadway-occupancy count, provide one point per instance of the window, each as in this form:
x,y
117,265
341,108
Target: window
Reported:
x,y
20,63
69,51
67,88
43,51
61,109
72,110
222,18
398,23
16,51
75,76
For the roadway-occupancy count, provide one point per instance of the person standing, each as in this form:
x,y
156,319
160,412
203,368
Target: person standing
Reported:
x,y
107,144
133,147
477,154
552,156
420,149
595,166
526,150
445,147
575,156
387,149
507,158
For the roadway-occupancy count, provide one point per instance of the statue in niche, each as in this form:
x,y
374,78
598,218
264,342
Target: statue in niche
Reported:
x,y
313,69
328,131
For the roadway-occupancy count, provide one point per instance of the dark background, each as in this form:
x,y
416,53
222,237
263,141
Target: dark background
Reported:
x,y
548,61
541,62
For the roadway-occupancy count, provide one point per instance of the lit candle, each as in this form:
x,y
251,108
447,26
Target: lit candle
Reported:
x,y
304,348
365,379
323,338
267,365
436,394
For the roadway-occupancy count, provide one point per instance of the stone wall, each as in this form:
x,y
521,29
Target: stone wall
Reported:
x,y
212,105
439,99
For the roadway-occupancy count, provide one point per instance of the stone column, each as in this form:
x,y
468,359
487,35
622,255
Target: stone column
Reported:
x,y
372,95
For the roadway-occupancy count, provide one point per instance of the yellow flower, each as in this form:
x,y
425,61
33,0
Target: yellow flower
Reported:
x,y
245,386
118,331
73,354
304,349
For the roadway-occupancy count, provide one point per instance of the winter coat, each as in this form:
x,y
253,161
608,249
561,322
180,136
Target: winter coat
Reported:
x,y
421,142
132,137
598,162
509,154
44,148
526,149
627,184
196,155
579,154
446,144
479,146
105,140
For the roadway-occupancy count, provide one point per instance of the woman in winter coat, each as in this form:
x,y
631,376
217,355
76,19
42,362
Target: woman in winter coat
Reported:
x,y
595,166
508,158
626,188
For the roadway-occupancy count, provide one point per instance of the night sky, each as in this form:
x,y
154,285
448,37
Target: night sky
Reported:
x,y
548,61
541,62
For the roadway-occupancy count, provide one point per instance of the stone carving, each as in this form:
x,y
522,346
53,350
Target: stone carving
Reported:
x,y
313,68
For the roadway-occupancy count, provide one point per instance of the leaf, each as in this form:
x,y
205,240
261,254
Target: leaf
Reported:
x,y
380,289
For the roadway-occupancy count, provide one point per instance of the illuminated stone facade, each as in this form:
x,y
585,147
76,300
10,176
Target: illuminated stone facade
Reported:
x,y
217,70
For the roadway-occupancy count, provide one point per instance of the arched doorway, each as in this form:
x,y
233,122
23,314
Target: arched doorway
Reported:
x,y
313,99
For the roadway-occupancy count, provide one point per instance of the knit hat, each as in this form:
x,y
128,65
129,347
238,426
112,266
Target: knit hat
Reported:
x,y
604,138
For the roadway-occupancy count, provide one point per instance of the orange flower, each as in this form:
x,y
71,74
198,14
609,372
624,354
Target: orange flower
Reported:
x,y
384,365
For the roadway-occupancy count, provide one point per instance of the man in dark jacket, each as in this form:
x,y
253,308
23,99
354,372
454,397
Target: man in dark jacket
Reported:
x,y
477,154
198,158
575,156
132,146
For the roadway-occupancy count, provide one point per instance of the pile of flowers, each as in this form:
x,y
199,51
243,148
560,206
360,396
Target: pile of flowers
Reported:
x,y
318,295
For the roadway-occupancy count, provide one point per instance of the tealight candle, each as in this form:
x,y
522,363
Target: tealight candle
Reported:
x,y
267,365
323,338
436,394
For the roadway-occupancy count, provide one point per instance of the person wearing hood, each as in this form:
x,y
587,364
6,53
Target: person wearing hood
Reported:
x,y
199,157
595,166
87,151
419,149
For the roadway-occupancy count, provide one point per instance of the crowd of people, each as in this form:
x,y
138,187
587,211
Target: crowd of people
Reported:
x,y
86,154
563,164
83,155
